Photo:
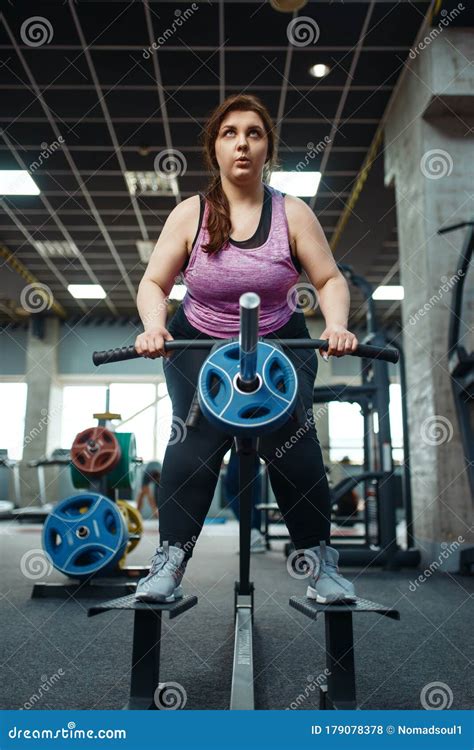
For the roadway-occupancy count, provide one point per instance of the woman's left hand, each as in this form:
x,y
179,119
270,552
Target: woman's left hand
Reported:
x,y
341,341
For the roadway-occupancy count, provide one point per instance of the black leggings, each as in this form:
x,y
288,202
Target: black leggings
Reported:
x,y
193,457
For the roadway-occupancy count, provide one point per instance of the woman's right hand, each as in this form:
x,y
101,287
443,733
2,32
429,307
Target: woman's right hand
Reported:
x,y
150,343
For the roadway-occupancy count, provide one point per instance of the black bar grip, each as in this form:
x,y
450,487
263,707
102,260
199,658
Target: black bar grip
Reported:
x,y
377,352
114,355
129,352
363,350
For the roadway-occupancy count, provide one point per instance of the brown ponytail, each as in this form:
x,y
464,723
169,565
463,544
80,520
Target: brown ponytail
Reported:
x,y
218,224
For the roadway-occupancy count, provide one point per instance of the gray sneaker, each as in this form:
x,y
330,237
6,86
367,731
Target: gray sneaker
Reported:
x,y
327,584
162,584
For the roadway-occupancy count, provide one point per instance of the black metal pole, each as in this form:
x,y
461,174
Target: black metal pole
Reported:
x,y
407,498
246,449
248,340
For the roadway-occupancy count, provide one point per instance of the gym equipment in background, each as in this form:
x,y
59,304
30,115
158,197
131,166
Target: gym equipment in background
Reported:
x,y
85,535
88,536
243,384
105,458
374,542
95,451
39,513
9,471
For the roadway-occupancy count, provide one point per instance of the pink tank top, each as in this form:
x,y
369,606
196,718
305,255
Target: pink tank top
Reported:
x,y
215,282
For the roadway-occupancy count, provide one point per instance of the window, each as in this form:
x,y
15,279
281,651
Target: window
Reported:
x,y
346,429
145,410
346,432
136,402
12,425
80,402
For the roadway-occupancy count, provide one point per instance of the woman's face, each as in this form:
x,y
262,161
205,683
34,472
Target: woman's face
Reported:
x,y
241,134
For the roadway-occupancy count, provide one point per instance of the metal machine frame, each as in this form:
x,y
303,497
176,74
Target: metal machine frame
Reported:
x,y
147,633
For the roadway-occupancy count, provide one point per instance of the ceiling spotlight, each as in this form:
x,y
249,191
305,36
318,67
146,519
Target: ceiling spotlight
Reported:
x,y
319,71
87,291
388,292
178,291
303,184
287,6
151,183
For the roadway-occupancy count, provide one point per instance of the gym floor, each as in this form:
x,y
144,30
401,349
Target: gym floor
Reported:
x,y
394,660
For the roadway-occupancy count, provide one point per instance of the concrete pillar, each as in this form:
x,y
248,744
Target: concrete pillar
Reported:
x,y
43,410
429,157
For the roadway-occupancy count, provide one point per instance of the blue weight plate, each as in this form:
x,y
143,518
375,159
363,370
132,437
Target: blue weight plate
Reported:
x,y
256,413
84,535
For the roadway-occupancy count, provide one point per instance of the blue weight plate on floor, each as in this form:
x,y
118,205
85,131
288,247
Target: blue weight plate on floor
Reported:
x,y
84,535
246,414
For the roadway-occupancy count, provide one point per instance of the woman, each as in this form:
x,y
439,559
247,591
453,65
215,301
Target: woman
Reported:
x,y
208,242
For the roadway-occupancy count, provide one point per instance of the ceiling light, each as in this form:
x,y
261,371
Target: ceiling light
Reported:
x,y
17,182
56,249
151,183
385,292
319,70
178,291
304,184
87,291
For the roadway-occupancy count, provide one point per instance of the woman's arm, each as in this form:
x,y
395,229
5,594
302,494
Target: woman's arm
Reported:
x,y
316,258
166,261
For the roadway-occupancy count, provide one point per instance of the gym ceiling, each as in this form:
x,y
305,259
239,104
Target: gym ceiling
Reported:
x,y
101,104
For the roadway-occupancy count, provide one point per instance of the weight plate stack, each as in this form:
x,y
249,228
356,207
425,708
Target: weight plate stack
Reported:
x,y
124,475
85,535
